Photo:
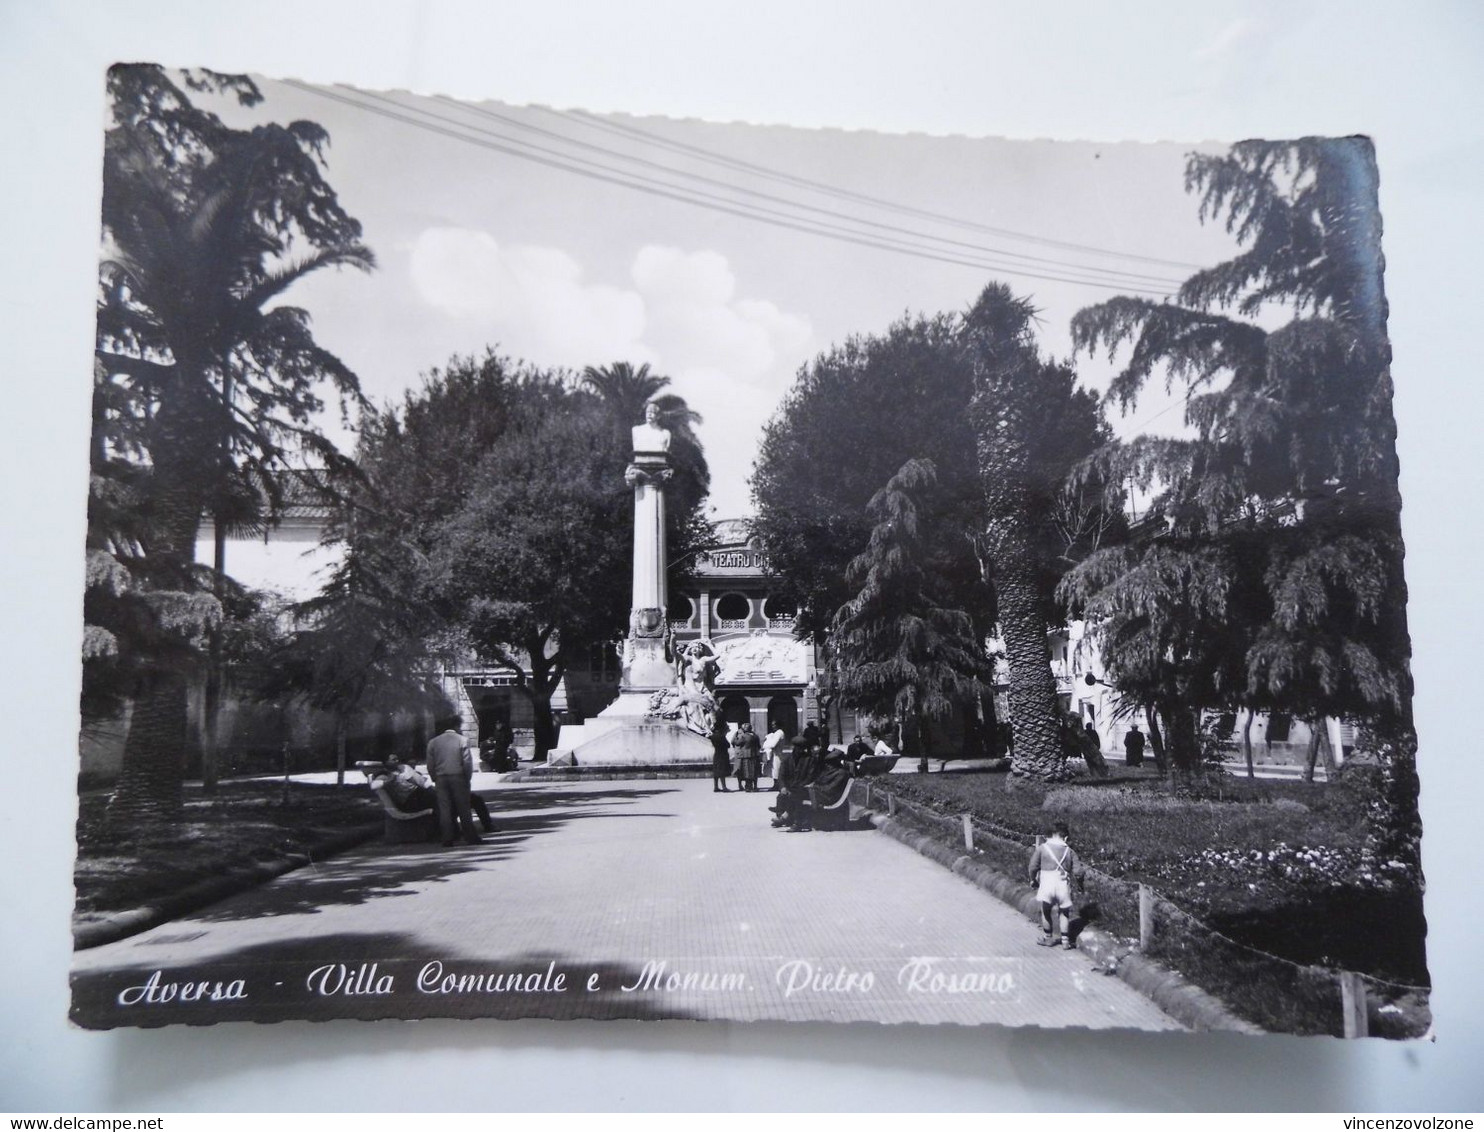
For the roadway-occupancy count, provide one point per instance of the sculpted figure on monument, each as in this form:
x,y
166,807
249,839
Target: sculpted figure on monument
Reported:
x,y
651,438
696,679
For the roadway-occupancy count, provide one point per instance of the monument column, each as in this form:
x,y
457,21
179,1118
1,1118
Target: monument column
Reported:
x,y
646,661
650,561
664,701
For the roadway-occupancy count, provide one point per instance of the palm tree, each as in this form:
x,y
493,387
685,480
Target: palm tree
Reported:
x,y
1031,426
205,228
624,389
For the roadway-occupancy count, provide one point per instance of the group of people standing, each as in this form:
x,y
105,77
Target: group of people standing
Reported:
x,y
445,788
739,751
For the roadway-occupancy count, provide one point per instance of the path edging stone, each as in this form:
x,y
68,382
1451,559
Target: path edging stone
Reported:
x,y
1181,1000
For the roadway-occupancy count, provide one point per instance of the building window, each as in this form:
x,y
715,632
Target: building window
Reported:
x,y
733,611
1279,724
681,610
780,613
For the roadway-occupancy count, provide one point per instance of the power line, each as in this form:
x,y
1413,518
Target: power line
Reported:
x,y
1136,277
848,194
703,200
1090,275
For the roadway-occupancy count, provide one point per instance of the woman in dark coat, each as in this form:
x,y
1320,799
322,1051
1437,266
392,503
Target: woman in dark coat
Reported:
x,y
721,756
746,748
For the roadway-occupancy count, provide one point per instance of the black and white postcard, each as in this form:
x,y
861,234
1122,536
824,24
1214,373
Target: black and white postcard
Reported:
x,y
547,564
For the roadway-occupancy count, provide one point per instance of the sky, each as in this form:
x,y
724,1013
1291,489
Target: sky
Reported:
x,y
724,256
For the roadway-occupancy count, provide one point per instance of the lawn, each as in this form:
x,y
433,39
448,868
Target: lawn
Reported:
x,y
1299,870
244,823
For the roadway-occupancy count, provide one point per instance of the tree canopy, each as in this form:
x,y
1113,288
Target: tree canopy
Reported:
x,y
500,491
1269,574
1002,427
853,418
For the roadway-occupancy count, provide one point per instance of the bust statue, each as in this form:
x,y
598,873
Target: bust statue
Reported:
x,y
650,438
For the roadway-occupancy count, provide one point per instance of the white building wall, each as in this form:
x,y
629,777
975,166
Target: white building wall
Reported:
x,y
289,559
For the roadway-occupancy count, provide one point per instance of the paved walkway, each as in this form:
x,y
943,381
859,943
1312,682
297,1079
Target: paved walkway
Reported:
x,y
649,899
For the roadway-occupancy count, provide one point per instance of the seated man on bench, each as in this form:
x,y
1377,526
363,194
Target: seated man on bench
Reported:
x,y
410,789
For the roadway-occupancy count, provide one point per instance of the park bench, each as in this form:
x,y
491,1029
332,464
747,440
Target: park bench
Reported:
x,y
399,826
872,765
834,815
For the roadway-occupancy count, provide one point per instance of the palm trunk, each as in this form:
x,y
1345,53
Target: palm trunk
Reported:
x,y
151,783
1247,745
1033,703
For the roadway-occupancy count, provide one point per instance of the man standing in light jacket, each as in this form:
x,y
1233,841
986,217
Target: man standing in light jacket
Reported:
x,y
447,759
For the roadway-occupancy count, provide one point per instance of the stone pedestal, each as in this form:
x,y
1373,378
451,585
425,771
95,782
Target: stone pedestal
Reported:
x,y
623,734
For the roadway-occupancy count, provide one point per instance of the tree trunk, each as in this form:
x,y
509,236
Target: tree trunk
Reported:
x,y
339,750
1185,746
1247,744
150,786
1034,708
1327,751
1319,744
211,711
1313,756
1157,740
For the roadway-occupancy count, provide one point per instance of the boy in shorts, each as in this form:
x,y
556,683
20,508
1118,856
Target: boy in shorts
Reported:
x,y
1053,867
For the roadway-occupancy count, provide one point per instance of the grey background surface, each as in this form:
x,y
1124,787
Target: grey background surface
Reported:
x,y
1409,76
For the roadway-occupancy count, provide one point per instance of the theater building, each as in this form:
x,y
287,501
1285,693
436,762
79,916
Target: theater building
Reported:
x,y
767,678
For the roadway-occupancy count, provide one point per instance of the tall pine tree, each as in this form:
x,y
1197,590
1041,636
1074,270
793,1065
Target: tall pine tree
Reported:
x,y
1274,579
902,653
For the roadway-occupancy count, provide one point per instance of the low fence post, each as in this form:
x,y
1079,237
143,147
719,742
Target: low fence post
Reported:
x,y
891,804
868,793
968,832
1146,916
1352,1005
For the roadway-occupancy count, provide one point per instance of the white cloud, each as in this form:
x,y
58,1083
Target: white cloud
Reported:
x,y
534,300
695,322
731,358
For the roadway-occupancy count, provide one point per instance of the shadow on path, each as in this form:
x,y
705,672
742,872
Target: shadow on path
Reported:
x,y
381,871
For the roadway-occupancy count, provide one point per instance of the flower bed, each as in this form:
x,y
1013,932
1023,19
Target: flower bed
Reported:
x,y
1298,870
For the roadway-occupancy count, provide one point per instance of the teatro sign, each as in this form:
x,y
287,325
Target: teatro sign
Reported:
x,y
734,560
